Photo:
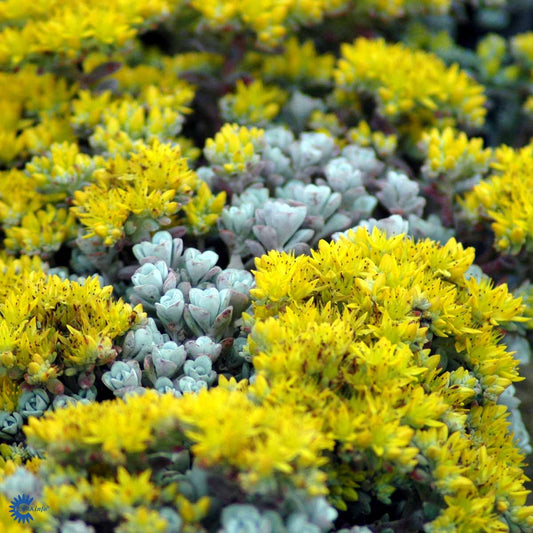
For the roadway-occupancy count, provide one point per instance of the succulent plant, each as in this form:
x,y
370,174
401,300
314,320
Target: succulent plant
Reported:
x,y
245,518
10,424
140,342
124,377
322,206
200,369
165,361
208,312
279,227
188,384
161,247
33,403
203,346
150,282
169,310
399,195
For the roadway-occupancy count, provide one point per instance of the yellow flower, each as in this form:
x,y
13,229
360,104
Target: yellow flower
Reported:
x,y
62,171
9,394
254,104
88,108
384,144
17,197
192,513
522,47
68,29
504,198
143,520
136,195
37,309
234,149
298,64
452,156
125,492
203,210
42,232
409,84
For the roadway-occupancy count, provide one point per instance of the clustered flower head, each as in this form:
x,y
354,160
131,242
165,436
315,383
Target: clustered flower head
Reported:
x,y
143,430
33,106
413,87
68,29
299,64
234,148
54,334
504,199
253,104
148,188
452,157
387,341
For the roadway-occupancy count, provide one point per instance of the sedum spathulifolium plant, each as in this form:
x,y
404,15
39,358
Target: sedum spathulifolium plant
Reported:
x,y
298,190
374,402
56,334
377,292
503,199
153,153
194,328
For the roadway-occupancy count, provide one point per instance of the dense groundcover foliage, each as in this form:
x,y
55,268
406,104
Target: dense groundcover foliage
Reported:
x,y
265,265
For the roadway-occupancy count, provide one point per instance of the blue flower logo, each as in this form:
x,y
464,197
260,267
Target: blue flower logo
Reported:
x,y
19,508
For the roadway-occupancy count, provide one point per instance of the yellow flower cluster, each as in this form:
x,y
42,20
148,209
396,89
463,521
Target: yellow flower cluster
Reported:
x,y
522,47
150,102
203,210
160,70
88,108
400,8
131,197
154,114
377,367
13,270
269,19
11,457
17,197
227,429
298,64
451,156
397,353
41,232
9,394
68,29
32,107
255,104
32,202
205,62
388,281
62,171
272,20
409,86
52,327
234,148
504,198
157,69
385,145
329,124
